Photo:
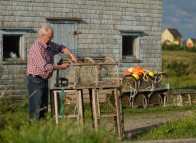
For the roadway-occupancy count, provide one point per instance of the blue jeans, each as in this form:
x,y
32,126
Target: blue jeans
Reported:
x,y
38,97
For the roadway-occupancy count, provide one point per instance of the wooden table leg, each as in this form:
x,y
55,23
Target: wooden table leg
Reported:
x,y
118,112
91,106
95,114
80,108
56,107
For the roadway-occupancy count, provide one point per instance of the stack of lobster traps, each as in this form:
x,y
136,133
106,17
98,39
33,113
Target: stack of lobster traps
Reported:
x,y
96,78
146,89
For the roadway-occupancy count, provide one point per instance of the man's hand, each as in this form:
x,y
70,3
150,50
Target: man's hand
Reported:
x,y
74,58
63,66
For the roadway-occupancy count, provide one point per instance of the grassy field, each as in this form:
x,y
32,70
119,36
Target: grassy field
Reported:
x,y
182,71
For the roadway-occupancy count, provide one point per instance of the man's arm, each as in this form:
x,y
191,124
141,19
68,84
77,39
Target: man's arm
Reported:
x,y
72,56
61,67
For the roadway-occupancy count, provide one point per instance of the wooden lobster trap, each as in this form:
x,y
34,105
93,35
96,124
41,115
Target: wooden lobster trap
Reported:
x,y
100,77
89,73
145,90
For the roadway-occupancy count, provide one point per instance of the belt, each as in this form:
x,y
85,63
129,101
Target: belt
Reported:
x,y
36,76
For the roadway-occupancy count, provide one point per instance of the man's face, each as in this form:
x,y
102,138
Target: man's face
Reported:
x,y
48,37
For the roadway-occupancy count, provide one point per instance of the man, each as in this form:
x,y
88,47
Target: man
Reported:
x,y
40,68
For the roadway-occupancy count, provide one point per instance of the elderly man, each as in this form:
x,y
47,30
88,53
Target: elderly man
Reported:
x,y
40,68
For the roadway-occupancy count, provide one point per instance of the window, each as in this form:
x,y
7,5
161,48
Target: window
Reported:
x,y
11,46
131,45
130,48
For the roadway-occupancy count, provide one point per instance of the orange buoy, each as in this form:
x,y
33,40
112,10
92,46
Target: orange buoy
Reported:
x,y
126,72
137,69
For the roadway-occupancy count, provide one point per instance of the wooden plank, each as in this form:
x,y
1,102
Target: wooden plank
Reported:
x,y
95,114
56,107
93,64
118,112
80,108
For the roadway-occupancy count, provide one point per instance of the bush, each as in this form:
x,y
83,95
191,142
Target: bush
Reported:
x,y
178,48
178,68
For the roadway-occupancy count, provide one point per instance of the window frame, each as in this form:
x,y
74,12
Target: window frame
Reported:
x,y
136,45
22,45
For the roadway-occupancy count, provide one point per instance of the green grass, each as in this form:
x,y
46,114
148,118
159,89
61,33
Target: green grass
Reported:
x,y
14,127
129,111
179,129
184,57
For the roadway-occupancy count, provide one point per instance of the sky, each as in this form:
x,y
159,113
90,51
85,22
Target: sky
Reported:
x,y
180,14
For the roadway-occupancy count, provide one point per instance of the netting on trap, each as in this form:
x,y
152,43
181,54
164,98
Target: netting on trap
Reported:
x,y
91,72
67,104
180,97
107,110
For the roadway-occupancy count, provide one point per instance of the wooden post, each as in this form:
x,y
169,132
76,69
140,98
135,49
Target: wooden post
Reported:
x,y
56,107
80,107
95,114
118,112
91,106
189,96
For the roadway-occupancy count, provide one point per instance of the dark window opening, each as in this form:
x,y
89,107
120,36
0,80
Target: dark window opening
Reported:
x,y
11,46
127,45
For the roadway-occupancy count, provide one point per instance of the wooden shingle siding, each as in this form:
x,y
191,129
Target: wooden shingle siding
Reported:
x,y
102,22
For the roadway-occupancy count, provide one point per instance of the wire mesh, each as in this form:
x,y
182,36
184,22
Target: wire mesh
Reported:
x,y
89,72
107,109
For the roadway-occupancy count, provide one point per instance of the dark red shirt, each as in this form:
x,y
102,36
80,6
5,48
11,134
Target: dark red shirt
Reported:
x,y
41,58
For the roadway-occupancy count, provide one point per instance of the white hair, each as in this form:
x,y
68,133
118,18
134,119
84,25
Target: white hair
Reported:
x,y
44,30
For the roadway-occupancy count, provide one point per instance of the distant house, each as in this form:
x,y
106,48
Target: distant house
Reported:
x,y
191,42
172,36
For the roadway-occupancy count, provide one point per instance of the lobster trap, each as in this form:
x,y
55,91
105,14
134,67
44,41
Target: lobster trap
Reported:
x,y
66,103
100,77
180,97
146,90
89,73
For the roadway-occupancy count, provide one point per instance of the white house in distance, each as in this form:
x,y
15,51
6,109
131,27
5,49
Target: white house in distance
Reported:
x,y
172,36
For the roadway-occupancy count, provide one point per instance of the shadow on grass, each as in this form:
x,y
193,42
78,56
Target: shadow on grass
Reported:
x,y
132,134
189,87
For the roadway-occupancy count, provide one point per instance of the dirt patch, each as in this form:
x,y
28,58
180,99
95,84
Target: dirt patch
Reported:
x,y
135,124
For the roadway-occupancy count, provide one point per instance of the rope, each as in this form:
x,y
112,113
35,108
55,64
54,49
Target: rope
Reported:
x,y
145,76
161,76
133,91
